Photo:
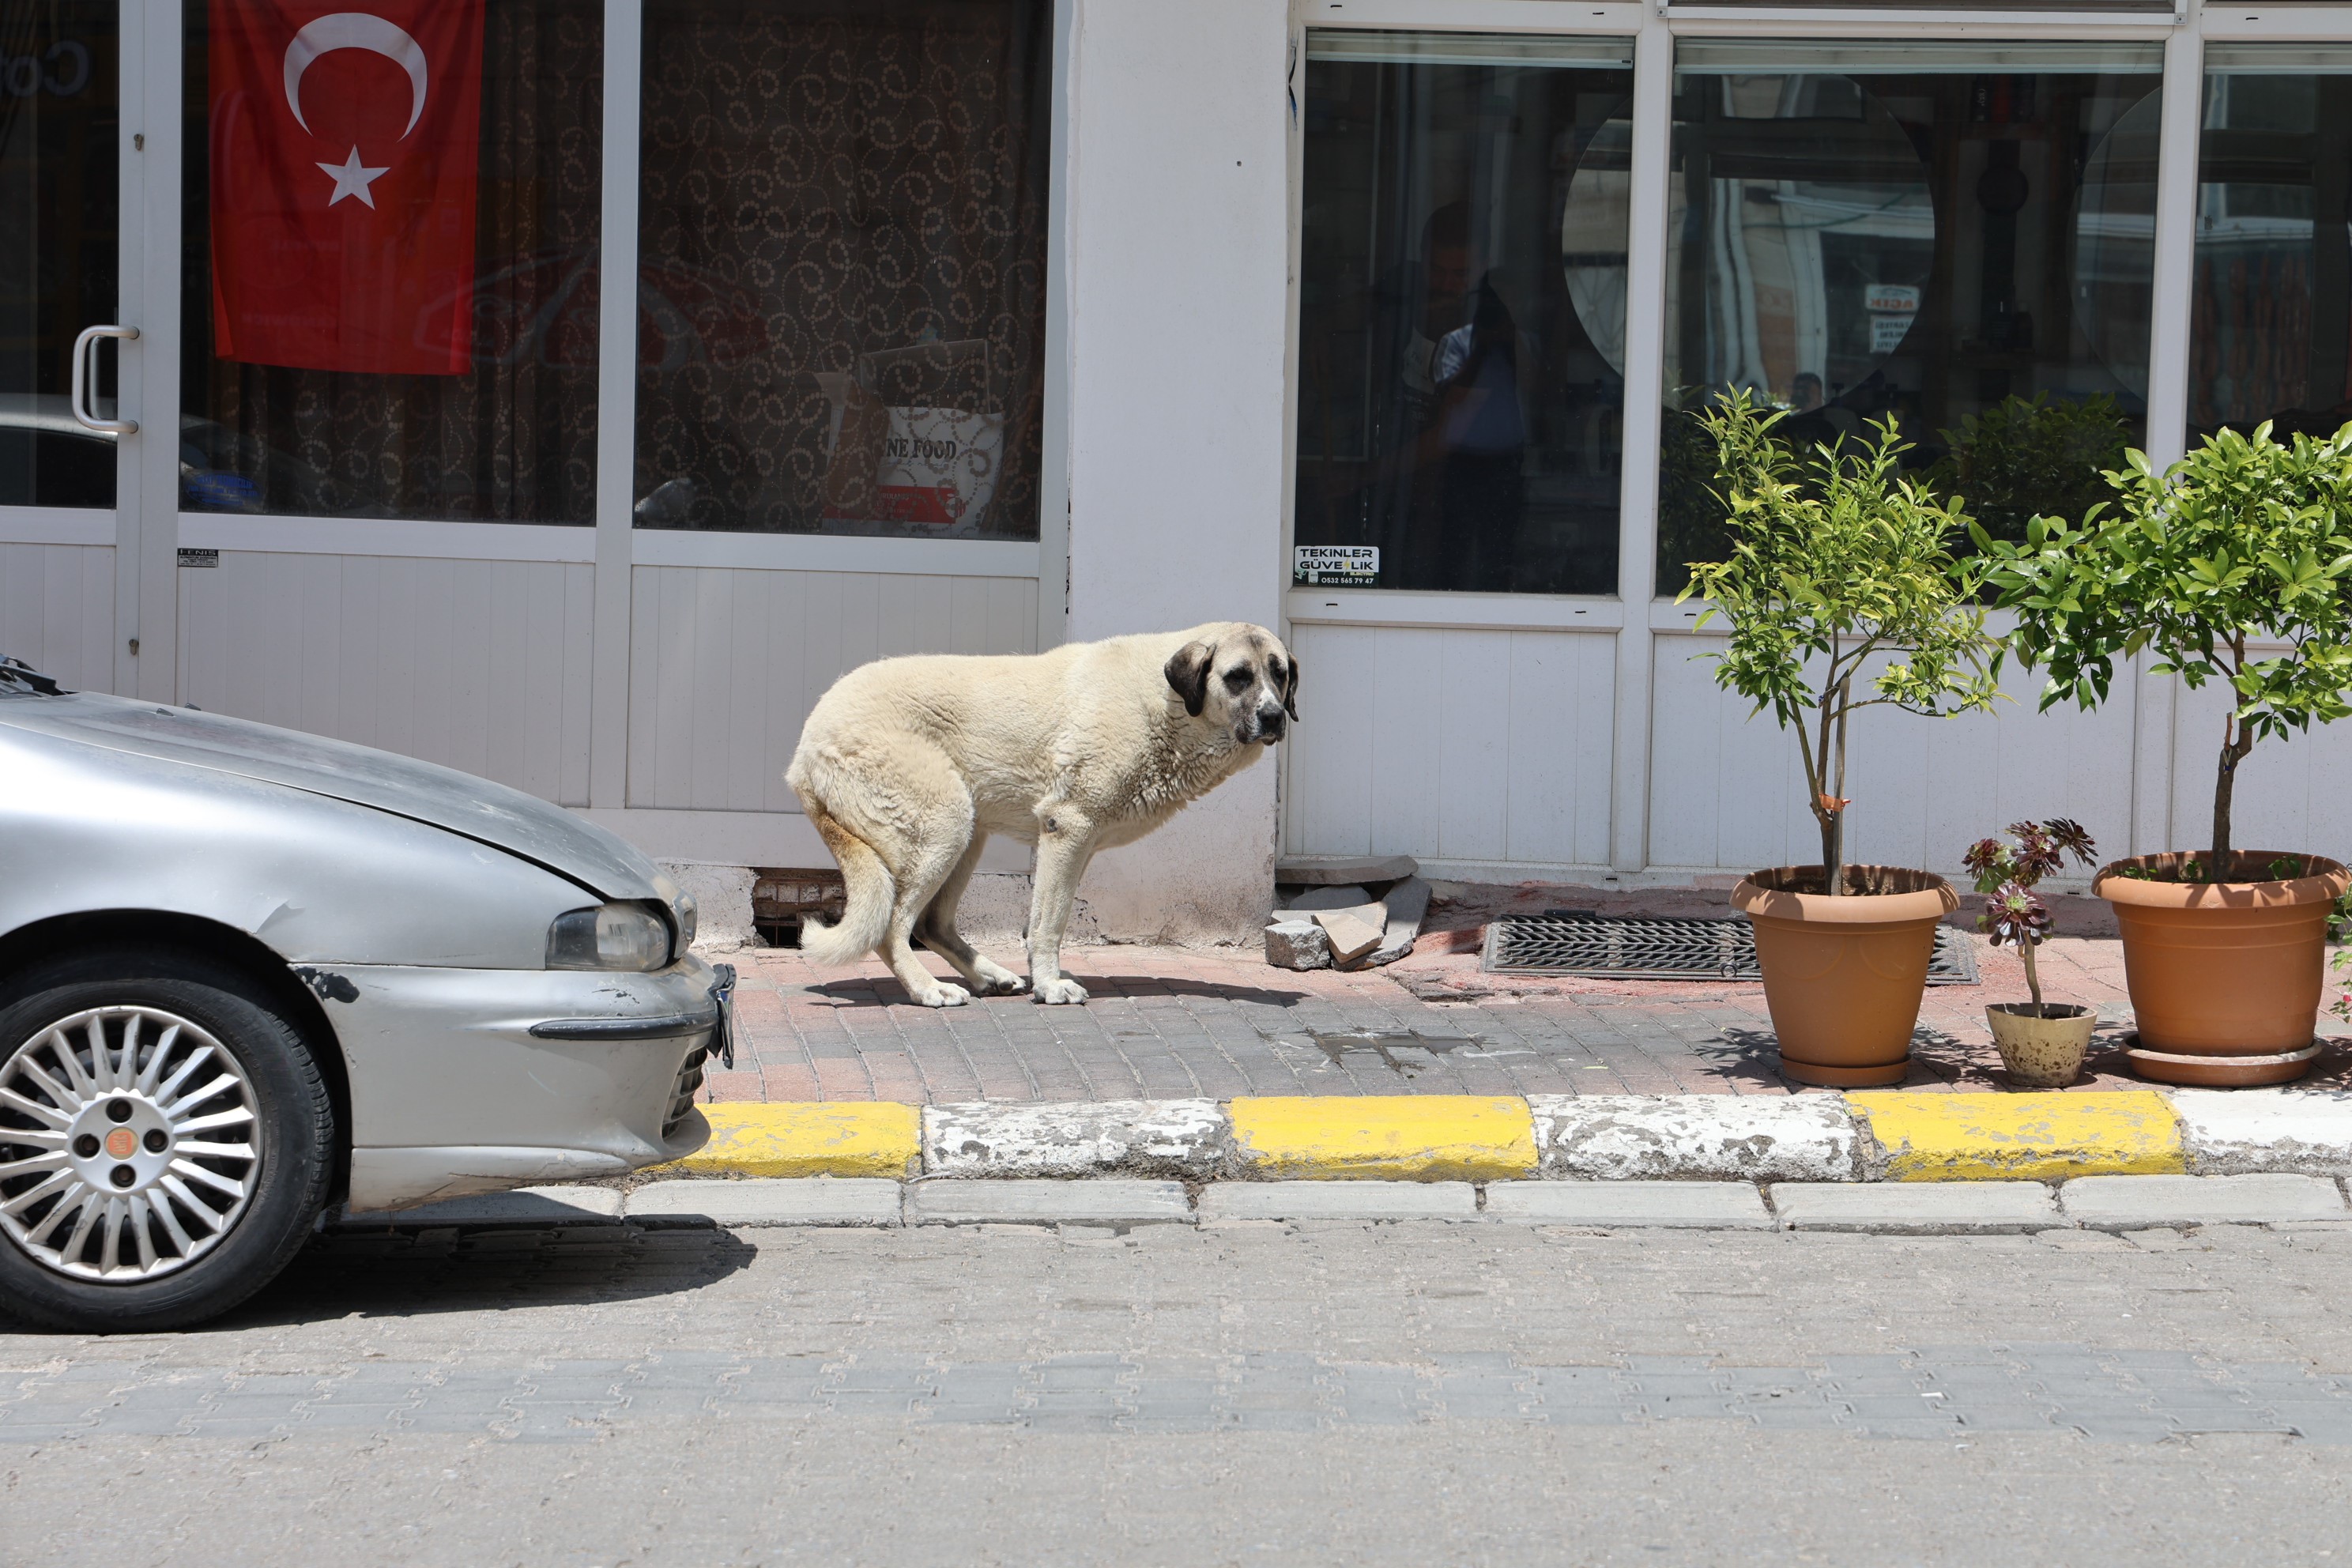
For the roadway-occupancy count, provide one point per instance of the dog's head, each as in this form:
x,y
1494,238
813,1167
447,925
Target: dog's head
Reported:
x,y
1242,679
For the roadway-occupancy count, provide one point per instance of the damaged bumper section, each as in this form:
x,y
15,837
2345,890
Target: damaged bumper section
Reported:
x,y
473,1080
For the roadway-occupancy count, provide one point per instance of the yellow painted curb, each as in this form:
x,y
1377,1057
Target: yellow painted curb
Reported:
x,y
1390,1137
2030,1137
804,1139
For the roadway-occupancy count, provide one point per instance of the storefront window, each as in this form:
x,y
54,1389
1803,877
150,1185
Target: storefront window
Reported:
x,y
1959,237
59,126
2271,333
842,295
1460,416
392,246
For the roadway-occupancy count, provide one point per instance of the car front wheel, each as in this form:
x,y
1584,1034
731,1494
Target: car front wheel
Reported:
x,y
165,1141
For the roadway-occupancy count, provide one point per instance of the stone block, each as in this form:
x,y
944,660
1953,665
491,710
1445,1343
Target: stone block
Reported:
x,y
1297,944
1917,1208
1704,1206
1339,873
1338,1200
2131,1202
1354,933
808,1200
965,1201
1352,895
1403,908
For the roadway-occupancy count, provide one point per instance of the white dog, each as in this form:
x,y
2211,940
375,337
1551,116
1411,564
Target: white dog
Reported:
x,y
907,766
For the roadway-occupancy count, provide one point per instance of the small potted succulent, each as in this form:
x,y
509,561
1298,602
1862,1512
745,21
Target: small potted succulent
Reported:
x,y
2234,568
1842,595
2041,1043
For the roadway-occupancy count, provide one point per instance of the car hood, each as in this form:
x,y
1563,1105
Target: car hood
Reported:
x,y
441,797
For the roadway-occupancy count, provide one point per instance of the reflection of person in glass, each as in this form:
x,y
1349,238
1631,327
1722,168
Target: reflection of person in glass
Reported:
x,y
1443,493
1482,440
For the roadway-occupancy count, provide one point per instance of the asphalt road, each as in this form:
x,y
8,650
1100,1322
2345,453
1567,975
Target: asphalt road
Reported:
x,y
1322,1394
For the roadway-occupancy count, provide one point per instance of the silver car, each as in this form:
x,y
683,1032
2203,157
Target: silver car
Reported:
x,y
246,973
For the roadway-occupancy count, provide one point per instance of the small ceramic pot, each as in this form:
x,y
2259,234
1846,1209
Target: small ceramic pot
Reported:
x,y
2042,1051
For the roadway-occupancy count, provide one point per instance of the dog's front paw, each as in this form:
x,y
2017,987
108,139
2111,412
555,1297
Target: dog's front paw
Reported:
x,y
998,981
943,995
1060,991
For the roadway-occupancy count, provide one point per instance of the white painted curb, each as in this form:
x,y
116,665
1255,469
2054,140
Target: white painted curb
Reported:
x,y
1697,1137
2230,1131
1178,1139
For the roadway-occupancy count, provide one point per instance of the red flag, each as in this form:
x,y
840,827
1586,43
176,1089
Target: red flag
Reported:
x,y
343,152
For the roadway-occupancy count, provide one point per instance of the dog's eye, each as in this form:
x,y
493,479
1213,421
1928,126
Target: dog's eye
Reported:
x,y
1237,679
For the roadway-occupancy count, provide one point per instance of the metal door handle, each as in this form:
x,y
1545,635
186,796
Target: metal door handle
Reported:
x,y
85,346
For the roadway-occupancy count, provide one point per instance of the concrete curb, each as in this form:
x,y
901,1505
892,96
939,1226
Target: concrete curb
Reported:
x,y
1119,1205
1867,1137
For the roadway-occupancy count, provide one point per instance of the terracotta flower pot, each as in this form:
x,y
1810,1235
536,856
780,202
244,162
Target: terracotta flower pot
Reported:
x,y
1844,976
2223,972
2042,1049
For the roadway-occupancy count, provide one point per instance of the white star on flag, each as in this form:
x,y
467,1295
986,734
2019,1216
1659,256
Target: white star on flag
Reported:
x,y
351,178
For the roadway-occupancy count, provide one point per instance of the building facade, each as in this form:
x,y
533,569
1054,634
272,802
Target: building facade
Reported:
x,y
977,325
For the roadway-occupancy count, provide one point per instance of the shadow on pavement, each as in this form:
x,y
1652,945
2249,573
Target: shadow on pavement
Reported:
x,y
403,1274
865,992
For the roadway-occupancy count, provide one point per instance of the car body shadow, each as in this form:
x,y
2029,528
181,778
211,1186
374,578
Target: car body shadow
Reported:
x,y
406,1273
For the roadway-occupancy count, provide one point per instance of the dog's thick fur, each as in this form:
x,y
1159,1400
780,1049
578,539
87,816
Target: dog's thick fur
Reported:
x,y
907,765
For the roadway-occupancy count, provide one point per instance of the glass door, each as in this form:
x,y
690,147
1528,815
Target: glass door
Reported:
x,y
68,437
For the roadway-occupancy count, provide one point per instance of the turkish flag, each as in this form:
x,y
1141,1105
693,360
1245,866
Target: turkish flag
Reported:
x,y
344,146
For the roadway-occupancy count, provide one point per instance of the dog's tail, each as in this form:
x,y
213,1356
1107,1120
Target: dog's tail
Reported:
x,y
872,892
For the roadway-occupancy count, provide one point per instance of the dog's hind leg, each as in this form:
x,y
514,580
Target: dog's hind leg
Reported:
x,y
941,836
937,929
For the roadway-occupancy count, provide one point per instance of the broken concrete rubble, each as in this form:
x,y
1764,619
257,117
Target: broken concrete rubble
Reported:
x,y
1297,944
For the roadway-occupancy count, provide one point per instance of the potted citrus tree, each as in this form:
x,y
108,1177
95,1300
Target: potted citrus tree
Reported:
x,y
2041,1043
2233,567
1841,593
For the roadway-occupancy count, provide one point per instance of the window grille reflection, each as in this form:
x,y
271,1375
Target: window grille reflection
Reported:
x,y
1959,238
2271,322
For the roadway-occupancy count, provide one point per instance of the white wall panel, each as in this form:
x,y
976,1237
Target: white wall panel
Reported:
x,y
1485,746
56,611
2294,796
478,665
1728,792
725,664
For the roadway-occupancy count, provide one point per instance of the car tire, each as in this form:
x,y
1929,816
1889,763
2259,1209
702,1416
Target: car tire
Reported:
x,y
166,1224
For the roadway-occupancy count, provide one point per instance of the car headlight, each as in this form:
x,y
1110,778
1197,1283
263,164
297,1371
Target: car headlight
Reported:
x,y
614,936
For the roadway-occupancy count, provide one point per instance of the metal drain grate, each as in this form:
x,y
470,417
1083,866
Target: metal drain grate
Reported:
x,y
1665,947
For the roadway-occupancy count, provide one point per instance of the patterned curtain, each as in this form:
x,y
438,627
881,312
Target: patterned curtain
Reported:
x,y
512,441
842,245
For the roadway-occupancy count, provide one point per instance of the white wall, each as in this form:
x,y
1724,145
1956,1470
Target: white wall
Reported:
x,y
56,611
1469,747
1178,212
724,666
478,665
1727,792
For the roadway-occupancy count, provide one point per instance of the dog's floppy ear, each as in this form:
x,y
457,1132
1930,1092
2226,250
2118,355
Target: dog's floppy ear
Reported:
x,y
1188,672
1290,690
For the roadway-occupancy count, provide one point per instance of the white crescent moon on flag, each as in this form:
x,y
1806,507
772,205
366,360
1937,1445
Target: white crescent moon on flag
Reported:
x,y
355,30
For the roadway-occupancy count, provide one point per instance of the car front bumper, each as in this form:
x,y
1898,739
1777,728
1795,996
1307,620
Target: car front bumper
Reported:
x,y
471,1080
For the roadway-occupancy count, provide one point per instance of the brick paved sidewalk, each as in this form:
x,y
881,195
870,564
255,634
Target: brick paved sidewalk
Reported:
x,y
1170,1023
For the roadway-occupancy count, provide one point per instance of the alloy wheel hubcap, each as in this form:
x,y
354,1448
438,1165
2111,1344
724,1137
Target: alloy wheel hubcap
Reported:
x,y
130,1145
